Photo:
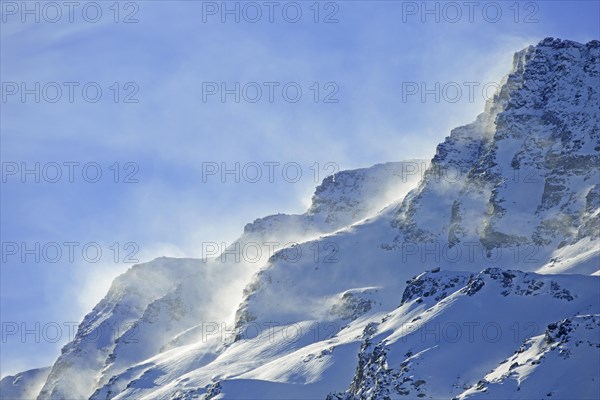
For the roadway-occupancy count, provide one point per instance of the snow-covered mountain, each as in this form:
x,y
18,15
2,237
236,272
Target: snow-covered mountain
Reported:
x,y
163,304
482,282
24,385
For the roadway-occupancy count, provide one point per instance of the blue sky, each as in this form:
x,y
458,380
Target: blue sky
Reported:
x,y
162,143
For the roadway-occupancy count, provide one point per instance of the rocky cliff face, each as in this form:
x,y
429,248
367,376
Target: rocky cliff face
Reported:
x,y
525,173
431,345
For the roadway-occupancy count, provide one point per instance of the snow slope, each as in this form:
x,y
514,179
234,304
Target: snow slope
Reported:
x,y
549,365
162,304
24,385
452,329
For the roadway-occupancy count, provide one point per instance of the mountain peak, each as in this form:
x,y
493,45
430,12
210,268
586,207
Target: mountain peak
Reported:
x,y
558,43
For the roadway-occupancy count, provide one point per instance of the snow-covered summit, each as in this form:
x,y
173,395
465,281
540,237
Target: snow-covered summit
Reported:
x,y
341,200
526,172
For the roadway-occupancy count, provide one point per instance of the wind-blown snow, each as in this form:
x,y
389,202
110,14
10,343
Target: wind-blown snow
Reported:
x,y
482,282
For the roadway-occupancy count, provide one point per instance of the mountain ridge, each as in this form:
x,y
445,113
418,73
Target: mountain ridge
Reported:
x,y
501,231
